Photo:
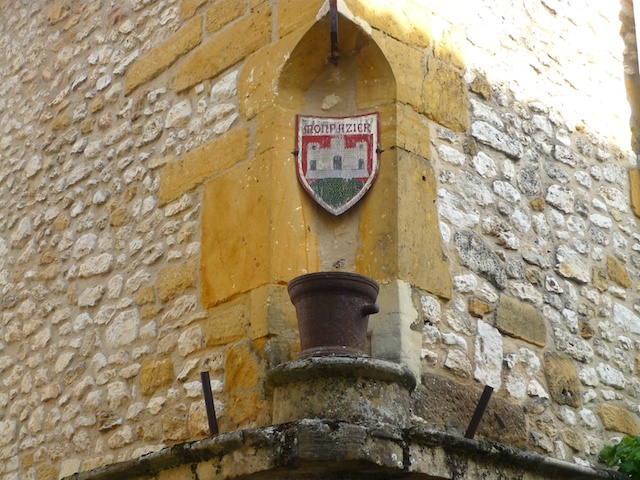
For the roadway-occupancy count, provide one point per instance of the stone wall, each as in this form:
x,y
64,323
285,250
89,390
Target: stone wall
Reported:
x,y
151,215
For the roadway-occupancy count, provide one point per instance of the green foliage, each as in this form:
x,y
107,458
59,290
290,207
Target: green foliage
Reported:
x,y
624,455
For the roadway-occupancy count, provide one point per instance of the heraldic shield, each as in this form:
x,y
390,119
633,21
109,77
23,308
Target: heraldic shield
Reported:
x,y
337,158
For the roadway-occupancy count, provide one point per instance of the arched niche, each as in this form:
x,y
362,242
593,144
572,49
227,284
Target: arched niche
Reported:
x,y
361,81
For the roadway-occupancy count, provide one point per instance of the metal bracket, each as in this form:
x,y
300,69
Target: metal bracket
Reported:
x,y
333,19
208,402
477,415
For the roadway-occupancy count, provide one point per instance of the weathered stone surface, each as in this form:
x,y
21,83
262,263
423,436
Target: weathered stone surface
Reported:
x,y
155,374
611,376
223,13
618,419
181,176
572,345
236,233
521,320
455,208
408,65
267,64
294,14
161,58
421,258
173,281
123,329
445,96
413,131
446,404
571,265
376,85
480,258
562,379
244,377
345,389
478,308
488,356
226,324
634,184
189,7
489,135
625,318
560,197
618,273
226,49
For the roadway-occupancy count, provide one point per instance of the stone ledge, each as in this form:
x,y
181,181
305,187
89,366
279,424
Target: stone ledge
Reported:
x,y
329,450
356,367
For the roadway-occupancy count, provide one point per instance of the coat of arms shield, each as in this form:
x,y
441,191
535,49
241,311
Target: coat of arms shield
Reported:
x,y
337,158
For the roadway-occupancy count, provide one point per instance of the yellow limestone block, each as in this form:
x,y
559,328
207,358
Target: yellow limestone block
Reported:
x,y
421,257
235,233
295,14
445,96
254,229
196,166
227,48
161,58
224,12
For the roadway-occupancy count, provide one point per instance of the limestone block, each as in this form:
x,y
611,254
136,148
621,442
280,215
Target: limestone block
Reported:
x,y
395,335
294,245
266,65
175,429
244,376
276,128
421,258
562,379
272,312
61,121
189,7
488,355
409,66
618,419
375,83
409,22
226,323
377,254
450,47
226,49
123,330
480,258
413,131
58,12
173,281
634,185
571,265
155,374
223,13
179,177
255,228
521,320
162,57
448,404
618,273
478,308
444,96
296,14
235,233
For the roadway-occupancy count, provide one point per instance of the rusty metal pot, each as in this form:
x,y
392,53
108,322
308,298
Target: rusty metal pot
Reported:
x,y
333,311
